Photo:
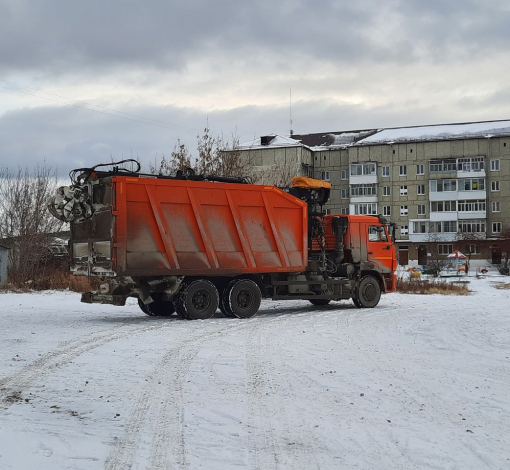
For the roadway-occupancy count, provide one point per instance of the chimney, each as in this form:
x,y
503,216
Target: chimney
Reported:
x,y
266,139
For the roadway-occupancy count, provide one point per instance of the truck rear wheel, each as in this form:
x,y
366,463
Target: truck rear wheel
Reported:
x,y
320,301
198,300
368,292
157,308
224,306
242,298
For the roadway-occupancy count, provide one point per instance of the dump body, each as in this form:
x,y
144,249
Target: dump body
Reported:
x,y
151,227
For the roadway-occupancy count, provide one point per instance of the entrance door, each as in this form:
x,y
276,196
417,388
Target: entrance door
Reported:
x,y
422,255
403,255
496,255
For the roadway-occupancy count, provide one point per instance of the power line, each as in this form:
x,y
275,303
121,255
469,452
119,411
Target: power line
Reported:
x,y
89,107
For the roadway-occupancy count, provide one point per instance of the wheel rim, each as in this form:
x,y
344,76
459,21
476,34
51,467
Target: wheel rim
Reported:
x,y
201,300
369,292
244,299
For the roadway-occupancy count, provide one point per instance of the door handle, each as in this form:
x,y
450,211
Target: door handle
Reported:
x,y
370,253
387,247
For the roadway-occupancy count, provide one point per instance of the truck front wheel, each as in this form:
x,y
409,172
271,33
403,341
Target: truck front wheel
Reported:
x,y
241,298
368,292
198,300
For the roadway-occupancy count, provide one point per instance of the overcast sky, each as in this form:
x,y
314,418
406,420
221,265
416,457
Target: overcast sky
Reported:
x,y
149,72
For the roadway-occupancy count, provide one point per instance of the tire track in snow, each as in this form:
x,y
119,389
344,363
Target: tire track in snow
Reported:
x,y
296,443
160,405
11,387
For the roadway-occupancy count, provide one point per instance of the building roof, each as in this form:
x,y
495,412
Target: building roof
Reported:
x,y
342,139
467,130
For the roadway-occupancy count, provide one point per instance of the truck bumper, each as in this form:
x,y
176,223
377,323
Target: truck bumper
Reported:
x,y
96,298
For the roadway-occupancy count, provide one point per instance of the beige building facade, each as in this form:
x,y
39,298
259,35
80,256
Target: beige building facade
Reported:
x,y
447,187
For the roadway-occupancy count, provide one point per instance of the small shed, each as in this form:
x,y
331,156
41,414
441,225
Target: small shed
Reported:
x,y
4,263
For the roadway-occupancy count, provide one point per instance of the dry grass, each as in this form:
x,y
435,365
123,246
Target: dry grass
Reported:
x,y
57,280
423,286
502,285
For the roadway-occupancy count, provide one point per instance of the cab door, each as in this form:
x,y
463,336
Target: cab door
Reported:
x,y
380,249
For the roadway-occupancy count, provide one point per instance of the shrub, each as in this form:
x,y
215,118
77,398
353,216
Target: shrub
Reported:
x,y
424,286
56,280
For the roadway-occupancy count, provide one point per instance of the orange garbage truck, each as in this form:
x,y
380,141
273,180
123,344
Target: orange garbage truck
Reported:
x,y
192,243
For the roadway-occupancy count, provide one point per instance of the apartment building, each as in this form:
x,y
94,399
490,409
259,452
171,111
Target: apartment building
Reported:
x,y
447,186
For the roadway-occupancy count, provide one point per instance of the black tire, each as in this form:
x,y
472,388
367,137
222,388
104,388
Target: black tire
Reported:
x,y
368,292
319,302
242,298
224,305
162,308
198,300
356,302
144,308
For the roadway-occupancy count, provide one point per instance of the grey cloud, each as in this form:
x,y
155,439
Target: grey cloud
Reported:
x,y
68,137
96,37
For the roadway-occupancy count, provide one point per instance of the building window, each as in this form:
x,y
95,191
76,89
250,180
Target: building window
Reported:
x,y
344,211
421,189
404,210
410,150
471,226
365,209
419,227
363,190
403,190
386,190
344,174
496,206
442,166
404,230
472,184
443,185
471,206
445,249
470,164
420,169
344,193
386,171
387,211
473,249
393,152
494,165
359,169
494,185
402,171
443,206
421,209
496,227
447,226
328,211
325,175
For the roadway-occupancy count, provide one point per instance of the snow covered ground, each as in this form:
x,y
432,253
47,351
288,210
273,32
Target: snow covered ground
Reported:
x,y
418,382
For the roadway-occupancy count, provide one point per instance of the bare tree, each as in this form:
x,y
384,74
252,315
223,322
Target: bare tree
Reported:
x,y
215,157
25,223
436,262
180,159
